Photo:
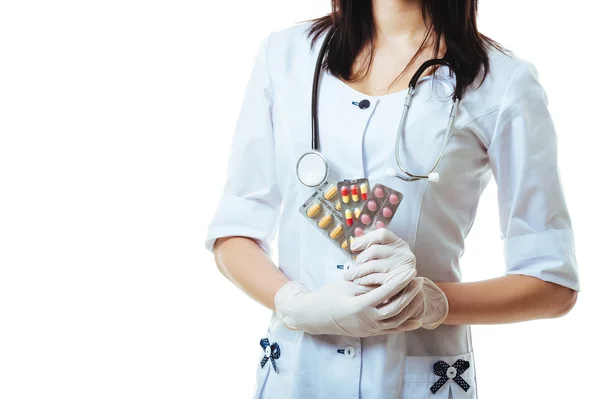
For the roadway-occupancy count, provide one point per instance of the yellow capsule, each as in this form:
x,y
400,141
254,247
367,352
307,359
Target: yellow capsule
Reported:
x,y
325,221
354,192
314,210
364,191
330,193
336,232
356,213
344,244
348,215
338,206
345,194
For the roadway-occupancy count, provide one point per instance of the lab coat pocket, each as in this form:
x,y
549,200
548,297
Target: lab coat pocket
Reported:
x,y
262,372
271,383
440,377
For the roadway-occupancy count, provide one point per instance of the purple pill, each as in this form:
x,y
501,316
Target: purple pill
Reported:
x,y
366,219
380,224
379,193
358,232
394,199
372,206
386,212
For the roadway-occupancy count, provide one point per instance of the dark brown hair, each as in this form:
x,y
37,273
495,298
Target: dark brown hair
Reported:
x,y
454,21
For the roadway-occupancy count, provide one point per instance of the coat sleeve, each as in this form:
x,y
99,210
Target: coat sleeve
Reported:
x,y
250,202
534,220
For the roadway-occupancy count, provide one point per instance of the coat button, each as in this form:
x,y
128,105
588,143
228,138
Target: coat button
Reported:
x,y
345,266
364,104
350,352
451,372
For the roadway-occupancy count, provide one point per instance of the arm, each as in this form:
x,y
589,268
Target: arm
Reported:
x,y
509,299
542,278
341,308
248,212
506,299
245,264
246,220
541,270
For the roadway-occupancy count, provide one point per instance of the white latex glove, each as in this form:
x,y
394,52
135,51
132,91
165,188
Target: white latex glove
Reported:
x,y
386,256
435,306
428,309
383,255
344,308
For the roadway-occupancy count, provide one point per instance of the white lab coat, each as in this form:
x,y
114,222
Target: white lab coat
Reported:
x,y
503,129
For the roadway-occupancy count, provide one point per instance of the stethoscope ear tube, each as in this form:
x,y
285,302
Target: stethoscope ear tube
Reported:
x,y
427,64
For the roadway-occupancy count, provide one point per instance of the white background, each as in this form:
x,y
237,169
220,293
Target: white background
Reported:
x,y
115,125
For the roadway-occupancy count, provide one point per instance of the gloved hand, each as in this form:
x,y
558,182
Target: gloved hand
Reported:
x,y
345,308
429,307
386,256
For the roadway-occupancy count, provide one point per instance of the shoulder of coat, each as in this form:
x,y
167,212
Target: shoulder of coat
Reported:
x,y
292,46
483,98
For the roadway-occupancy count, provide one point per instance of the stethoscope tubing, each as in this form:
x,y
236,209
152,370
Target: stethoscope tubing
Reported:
x,y
408,176
315,91
414,176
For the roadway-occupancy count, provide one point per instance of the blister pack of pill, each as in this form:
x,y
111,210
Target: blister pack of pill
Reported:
x,y
320,210
377,212
353,195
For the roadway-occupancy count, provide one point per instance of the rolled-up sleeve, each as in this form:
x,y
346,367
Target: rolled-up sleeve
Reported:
x,y
534,220
250,203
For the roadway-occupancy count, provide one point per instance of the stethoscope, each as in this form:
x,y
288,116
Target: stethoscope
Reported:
x,y
312,167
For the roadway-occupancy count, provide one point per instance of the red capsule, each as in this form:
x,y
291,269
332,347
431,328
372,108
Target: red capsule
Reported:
x,y
349,219
345,197
364,191
355,193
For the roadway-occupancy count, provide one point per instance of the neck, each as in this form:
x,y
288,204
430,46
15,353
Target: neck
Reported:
x,y
395,18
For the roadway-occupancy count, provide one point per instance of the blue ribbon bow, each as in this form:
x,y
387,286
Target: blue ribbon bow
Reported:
x,y
441,368
272,352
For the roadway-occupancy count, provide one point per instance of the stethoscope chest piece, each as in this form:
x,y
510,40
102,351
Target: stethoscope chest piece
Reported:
x,y
312,169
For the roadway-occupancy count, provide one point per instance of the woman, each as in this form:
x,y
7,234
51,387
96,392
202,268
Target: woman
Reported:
x,y
395,322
